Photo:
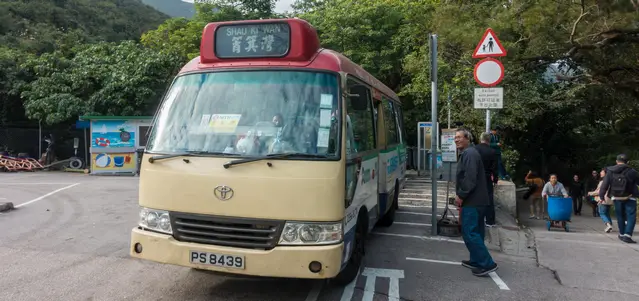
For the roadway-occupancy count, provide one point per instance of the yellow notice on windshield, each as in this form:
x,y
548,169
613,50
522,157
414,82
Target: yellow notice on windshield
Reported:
x,y
224,123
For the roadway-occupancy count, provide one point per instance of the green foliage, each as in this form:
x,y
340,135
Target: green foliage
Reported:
x,y
101,79
37,27
569,125
571,84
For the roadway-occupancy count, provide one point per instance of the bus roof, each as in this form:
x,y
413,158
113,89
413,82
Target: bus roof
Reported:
x,y
276,43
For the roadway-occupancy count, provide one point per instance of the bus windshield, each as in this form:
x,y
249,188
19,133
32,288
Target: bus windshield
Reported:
x,y
250,114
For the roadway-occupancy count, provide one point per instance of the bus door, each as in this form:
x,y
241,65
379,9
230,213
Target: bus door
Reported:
x,y
390,155
361,143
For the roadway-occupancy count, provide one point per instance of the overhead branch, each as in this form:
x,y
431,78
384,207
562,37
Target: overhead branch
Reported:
x,y
574,25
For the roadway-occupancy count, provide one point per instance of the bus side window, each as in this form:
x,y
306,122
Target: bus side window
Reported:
x,y
390,122
360,112
400,123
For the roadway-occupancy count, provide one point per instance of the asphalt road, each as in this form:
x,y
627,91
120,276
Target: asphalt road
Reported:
x,y
68,239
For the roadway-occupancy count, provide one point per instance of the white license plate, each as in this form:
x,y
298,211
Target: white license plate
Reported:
x,y
220,260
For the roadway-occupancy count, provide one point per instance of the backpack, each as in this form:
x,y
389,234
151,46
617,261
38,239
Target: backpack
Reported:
x,y
619,184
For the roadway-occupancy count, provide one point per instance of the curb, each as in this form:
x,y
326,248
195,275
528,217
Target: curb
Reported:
x,y
6,206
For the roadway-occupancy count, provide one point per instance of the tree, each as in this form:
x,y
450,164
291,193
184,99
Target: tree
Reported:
x,y
102,79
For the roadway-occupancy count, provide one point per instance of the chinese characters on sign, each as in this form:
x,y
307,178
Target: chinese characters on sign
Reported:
x,y
252,40
489,98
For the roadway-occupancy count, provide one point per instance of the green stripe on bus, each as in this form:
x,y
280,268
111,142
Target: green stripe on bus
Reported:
x,y
370,156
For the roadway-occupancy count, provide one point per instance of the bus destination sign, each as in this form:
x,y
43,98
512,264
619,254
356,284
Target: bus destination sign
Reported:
x,y
252,40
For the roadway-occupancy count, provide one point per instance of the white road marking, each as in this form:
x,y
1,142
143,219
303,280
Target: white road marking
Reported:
x,y
421,237
315,291
46,195
493,275
393,287
502,285
349,290
433,260
414,224
34,183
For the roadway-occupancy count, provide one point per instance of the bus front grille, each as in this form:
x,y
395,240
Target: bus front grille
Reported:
x,y
225,231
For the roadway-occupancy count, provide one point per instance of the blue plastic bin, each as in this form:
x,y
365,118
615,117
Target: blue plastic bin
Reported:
x,y
559,208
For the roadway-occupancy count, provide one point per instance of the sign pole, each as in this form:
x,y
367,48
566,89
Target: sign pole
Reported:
x,y
434,134
449,110
487,120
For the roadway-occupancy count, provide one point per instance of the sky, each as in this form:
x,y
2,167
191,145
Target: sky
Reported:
x,y
280,6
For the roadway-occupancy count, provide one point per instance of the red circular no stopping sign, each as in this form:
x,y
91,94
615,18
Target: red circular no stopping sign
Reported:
x,y
489,72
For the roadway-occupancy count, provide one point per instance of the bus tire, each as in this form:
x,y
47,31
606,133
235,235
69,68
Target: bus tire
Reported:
x,y
388,218
350,272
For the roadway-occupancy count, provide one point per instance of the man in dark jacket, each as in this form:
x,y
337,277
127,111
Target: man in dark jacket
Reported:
x,y
489,159
472,197
576,191
620,183
496,144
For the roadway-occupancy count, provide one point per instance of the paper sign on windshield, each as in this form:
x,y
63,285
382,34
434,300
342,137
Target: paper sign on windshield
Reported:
x,y
224,123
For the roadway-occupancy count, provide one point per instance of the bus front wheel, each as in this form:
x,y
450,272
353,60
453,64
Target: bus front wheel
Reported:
x,y
349,273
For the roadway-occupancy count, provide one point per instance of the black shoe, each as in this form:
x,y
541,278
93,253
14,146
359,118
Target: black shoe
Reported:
x,y
467,264
627,239
480,272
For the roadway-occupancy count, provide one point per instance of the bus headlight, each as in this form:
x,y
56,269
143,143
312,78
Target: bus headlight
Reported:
x,y
155,220
298,233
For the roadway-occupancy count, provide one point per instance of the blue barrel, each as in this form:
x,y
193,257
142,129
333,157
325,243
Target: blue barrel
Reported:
x,y
559,208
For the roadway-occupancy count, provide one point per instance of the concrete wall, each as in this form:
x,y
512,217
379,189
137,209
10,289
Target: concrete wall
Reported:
x,y
505,196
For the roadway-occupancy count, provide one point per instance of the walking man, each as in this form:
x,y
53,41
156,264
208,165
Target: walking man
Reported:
x,y
496,144
489,159
576,191
536,185
472,196
620,183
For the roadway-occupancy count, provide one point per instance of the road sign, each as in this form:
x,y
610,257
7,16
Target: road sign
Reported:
x,y
489,98
489,72
449,150
488,46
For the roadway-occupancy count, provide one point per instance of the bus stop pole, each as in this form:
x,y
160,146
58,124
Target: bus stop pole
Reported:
x,y
434,131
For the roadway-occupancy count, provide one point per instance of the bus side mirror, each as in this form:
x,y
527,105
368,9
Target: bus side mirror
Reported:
x,y
358,97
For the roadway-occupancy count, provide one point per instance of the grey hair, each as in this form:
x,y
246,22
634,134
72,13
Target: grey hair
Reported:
x,y
485,137
466,134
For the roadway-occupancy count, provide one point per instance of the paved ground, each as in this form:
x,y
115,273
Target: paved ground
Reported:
x,y
586,258
69,241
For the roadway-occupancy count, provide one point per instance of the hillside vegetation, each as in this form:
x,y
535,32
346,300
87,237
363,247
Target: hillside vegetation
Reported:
x,y
37,25
173,8
577,121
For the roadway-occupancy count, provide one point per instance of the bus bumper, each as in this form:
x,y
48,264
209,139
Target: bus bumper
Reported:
x,y
281,261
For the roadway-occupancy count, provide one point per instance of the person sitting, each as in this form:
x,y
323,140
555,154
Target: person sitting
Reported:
x,y
553,188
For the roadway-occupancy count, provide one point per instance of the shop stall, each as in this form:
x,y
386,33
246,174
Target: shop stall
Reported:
x,y
114,143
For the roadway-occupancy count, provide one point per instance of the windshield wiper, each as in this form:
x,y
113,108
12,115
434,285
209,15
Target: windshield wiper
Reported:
x,y
190,153
273,156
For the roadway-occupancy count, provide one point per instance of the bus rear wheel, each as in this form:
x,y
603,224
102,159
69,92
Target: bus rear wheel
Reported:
x,y
349,273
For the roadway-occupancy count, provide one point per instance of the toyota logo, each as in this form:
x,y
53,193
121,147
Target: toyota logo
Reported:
x,y
223,193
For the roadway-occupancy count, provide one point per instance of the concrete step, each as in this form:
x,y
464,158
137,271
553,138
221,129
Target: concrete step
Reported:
x,y
423,196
